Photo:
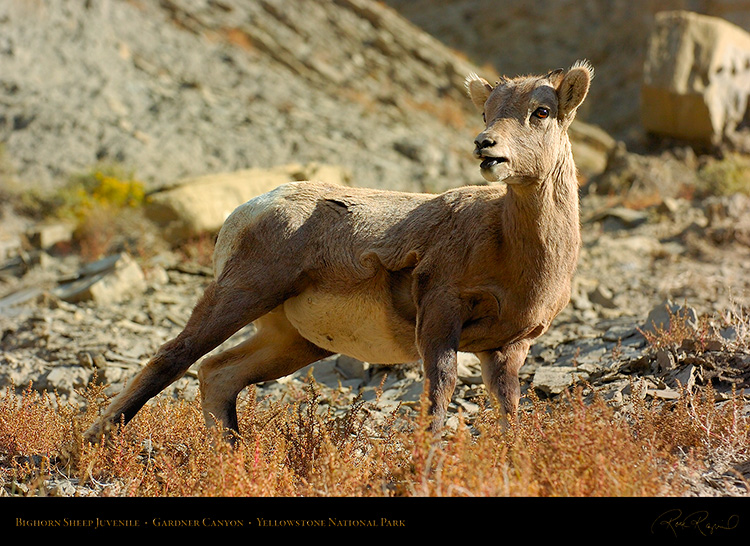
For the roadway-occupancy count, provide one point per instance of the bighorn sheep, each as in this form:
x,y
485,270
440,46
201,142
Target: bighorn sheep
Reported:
x,y
390,277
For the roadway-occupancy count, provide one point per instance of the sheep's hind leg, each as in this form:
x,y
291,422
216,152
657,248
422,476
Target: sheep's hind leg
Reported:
x,y
221,312
500,375
275,350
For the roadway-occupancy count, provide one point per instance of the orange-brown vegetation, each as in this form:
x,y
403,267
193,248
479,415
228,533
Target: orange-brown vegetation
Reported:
x,y
563,448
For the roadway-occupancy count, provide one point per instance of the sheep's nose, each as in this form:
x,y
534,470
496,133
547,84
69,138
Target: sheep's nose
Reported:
x,y
482,142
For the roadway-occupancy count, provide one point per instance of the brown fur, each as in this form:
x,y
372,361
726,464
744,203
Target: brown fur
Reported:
x,y
390,277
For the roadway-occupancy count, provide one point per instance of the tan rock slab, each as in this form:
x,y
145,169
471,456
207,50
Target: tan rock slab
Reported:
x,y
194,206
696,78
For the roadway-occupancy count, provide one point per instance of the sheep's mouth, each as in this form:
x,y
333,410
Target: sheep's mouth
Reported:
x,y
495,169
491,162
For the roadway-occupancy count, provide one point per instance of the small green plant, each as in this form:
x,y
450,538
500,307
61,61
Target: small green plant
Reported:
x,y
726,176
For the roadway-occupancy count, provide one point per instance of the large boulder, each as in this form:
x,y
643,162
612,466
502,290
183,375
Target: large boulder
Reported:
x,y
591,146
194,206
696,78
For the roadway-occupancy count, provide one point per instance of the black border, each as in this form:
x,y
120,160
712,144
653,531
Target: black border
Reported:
x,y
667,520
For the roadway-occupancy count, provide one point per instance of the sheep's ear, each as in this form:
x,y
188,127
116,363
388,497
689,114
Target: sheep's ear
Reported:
x,y
555,77
479,90
573,89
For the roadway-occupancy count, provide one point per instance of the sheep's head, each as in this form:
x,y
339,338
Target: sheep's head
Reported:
x,y
527,119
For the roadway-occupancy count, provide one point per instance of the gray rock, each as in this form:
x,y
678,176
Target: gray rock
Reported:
x,y
665,361
729,333
664,394
65,379
21,296
591,147
603,297
555,379
351,368
109,280
620,332
621,218
324,372
660,317
404,390
685,378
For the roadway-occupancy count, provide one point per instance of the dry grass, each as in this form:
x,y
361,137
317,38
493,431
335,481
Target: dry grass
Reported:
x,y
565,448
198,250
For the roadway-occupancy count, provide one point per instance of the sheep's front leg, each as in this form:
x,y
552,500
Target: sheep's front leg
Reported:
x,y
438,335
500,376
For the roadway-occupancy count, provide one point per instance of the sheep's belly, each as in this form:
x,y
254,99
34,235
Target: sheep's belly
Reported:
x,y
360,326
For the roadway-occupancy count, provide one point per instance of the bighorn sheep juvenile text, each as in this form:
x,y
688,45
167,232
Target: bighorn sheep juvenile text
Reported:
x,y
391,277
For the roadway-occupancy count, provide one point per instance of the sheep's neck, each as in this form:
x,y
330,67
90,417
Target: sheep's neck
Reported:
x,y
546,208
541,224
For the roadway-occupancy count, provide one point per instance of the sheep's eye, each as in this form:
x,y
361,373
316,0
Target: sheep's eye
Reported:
x,y
484,117
541,112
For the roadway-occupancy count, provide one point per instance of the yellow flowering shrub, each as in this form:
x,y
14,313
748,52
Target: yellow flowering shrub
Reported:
x,y
104,187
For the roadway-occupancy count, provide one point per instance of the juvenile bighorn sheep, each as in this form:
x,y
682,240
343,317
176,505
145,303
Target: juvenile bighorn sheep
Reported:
x,y
390,277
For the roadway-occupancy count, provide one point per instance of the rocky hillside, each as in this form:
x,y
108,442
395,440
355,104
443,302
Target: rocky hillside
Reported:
x,y
183,87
